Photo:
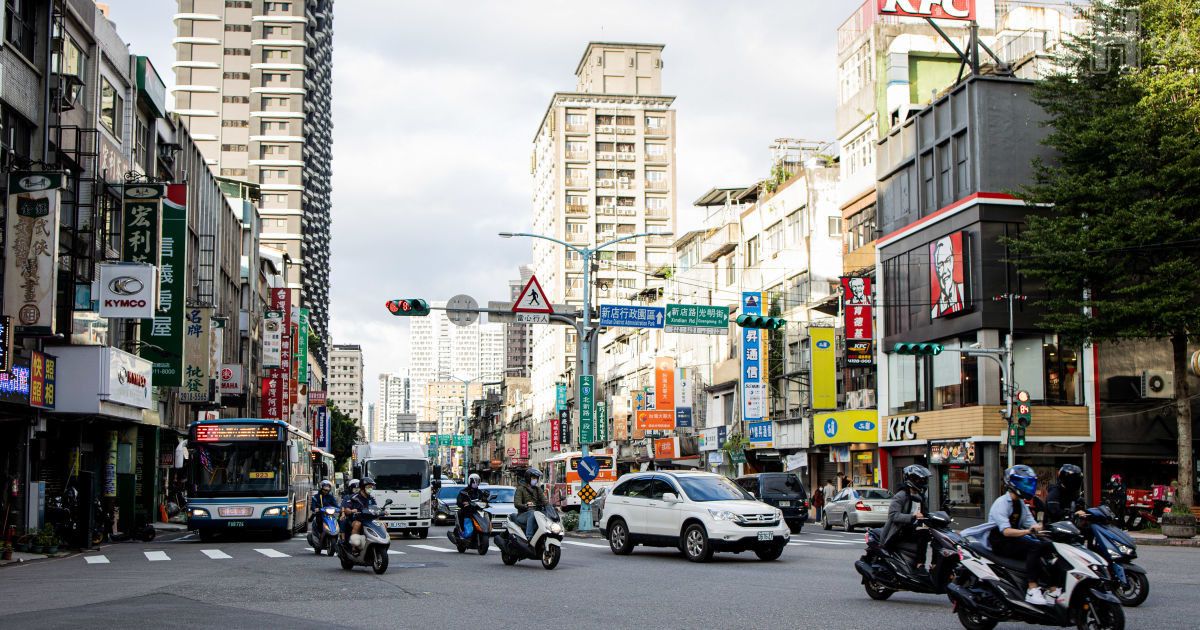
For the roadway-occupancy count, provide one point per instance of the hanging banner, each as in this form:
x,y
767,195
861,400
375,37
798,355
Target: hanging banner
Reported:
x,y
560,396
302,348
524,453
602,421
857,309
824,368
654,420
322,428
109,482
753,394
272,398
196,376
664,383
42,375
141,223
216,354
555,437
272,352
683,397
164,333
564,428
31,250
587,409
948,260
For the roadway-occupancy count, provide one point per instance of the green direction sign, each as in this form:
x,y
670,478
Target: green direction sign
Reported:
x,y
587,410
697,319
451,439
463,440
738,456
443,439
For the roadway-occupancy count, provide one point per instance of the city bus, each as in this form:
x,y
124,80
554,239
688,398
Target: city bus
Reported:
x,y
562,479
248,473
322,468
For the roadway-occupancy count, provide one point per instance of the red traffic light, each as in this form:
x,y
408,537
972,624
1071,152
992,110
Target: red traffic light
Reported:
x,y
414,307
1023,396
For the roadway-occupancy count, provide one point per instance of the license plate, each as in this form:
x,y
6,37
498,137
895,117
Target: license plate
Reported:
x,y
785,504
235,511
390,524
765,536
235,524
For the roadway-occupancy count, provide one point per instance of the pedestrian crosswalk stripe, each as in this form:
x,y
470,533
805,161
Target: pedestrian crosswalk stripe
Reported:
x,y
432,548
830,542
215,554
272,553
393,552
798,544
583,544
156,556
96,559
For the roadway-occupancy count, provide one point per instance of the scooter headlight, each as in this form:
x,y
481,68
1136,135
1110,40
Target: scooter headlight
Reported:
x,y
555,528
1125,549
1114,554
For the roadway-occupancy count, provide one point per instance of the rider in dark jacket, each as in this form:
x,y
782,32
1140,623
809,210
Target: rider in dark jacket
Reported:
x,y
1063,499
353,506
470,493
905,511
323,498
529,497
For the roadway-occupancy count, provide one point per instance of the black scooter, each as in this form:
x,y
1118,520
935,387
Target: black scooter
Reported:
x,y
1118,547
886,571
474,531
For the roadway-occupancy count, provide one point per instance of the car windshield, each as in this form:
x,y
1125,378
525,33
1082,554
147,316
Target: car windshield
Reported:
x,y
449,493
502,495
712,489
398,474
874,493
788,485
248,469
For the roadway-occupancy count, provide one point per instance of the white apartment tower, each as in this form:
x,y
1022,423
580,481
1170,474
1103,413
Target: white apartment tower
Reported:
x,y
395,397
345,380
603,167
253,85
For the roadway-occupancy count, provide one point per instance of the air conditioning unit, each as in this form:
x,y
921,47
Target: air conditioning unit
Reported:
x,y
1158,384
868,399
854,399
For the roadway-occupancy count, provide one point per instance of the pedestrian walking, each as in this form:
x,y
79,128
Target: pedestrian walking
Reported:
x,y
818,503
830,490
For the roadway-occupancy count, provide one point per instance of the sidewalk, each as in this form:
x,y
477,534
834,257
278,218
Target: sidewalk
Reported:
x,y
21,557
577,534
1161,540
170,527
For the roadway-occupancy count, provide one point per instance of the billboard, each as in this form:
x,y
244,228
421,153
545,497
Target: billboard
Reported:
x,y
128,290
165,331
948,275
936,9
824,368
31,250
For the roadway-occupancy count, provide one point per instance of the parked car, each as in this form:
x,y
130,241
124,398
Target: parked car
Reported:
x,y
598,504
445,509
782,490
853,507
697,512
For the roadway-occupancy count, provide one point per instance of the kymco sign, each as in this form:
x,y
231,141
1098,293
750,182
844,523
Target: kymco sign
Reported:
x,y
939,9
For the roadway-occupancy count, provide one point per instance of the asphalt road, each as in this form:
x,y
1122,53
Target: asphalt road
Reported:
x,y
258,583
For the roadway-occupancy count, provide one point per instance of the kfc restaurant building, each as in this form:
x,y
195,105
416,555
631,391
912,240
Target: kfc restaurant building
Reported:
x,y
942,262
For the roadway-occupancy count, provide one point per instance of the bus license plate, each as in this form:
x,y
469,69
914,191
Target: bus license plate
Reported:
x,y
235,524
765,536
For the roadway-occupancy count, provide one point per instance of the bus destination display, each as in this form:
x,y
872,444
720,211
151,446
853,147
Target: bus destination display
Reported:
x,y
236,433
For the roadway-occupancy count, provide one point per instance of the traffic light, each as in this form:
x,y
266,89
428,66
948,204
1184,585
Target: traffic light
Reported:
x,y
1016,435
758,321
929,349
1024,412
408,308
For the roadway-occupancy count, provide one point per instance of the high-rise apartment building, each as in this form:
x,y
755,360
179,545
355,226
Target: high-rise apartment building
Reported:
x,y
345,380
441,351
370,430
395,397
518,338
603,167
253,84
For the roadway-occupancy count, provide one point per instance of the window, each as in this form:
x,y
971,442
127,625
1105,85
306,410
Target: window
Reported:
x,y
576,200
238,148
626,256
141,145
274,125
237,28
797,290
275,77
576,120
235,99
277,32
855,72
235,123
626,283
656,176
604,119
655,122
274,150
657,488
237,4
233,172
279,6
576,148
625,121
71,60
275,103
634,488
22,25
237,52
656,203
273,174
730,271
277,55
752,256
112,108
236,76
656,150
835,226
16,133
775,238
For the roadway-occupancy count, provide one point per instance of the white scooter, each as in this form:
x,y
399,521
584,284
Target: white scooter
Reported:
x,y
373,550
544,545
989,588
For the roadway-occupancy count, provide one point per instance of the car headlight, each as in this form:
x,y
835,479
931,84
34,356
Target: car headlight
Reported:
x,y
425,509
198,513
555,528
779,514
724,515
275,511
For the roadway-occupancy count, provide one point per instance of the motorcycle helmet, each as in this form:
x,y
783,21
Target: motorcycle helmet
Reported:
x,y
1022,480
1070,480
532,475
473,481
352,487
368,484
326,485
1115,480
916,478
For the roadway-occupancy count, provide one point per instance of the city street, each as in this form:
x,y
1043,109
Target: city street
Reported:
x,y
260,583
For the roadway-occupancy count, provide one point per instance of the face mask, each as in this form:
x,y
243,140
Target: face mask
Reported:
x,y
533,482
367,491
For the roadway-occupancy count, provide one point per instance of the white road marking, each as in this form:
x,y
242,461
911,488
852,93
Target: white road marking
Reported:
x,y
583,544
96,559
831,542
271,553
393,552
215,554
432,548
798,544
156,556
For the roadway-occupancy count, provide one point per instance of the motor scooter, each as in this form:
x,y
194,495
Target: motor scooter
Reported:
x,y
544,545
373,550
474,531
1118,547
323,533
885,571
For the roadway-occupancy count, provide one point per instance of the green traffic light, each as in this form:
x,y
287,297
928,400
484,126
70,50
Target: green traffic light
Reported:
x,y
924,349
758,321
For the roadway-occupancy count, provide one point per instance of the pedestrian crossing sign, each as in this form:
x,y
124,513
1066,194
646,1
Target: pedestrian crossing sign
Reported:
x,y
533,299
586,493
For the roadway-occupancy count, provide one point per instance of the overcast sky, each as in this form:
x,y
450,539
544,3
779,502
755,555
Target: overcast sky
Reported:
x,y
435,105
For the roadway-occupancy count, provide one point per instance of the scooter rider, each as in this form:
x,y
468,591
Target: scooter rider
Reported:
x,y
529,497
356,504
1015,529
323,499
905,511
469,493
1062,498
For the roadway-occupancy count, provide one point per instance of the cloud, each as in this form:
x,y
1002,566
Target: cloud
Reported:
x,y
436,103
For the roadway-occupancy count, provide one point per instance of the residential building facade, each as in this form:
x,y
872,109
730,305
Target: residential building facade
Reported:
x,y
345,382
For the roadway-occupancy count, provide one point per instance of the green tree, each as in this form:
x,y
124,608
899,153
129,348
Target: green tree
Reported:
x,y
1118,247
346,433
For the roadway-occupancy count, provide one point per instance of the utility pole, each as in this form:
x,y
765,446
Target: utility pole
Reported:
x,y
584,330
1009,387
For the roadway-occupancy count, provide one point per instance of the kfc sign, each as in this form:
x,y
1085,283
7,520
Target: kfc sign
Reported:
x,y
900,428
938,9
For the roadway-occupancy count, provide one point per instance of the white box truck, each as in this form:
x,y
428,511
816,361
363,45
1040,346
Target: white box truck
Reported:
x,y
401,473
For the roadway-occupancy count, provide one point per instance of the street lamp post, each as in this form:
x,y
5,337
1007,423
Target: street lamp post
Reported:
x,y
583,329
466,413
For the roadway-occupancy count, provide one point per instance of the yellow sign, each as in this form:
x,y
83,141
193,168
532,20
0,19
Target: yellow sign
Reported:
x,y
846,427
262,475
824,368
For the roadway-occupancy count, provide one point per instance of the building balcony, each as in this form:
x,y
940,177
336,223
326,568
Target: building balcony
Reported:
x,y
626,157
656,131
656,159
573,264
604,129
605,157
606,183
577,237
658,213
606,210
627,131
721,242
656,185
577,155
658,241
577,182
577,128
577,208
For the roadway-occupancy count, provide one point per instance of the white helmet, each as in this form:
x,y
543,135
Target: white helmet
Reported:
x,y
473,480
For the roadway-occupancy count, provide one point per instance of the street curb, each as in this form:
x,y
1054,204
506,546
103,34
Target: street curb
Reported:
x,y
574,534
1168,542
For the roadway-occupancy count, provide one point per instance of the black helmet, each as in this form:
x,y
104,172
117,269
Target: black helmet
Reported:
x,y
916,478
1022,480
1070,479
366,481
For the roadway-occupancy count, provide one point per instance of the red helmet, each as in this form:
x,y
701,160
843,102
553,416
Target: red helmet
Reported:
x,y
1115,479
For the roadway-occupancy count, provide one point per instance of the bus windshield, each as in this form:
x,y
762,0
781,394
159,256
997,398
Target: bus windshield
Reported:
x,y
248,469
398,474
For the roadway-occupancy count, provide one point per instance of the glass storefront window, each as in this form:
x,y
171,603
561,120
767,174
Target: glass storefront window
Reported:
x,y
905,383
962,489
1047,370
955,377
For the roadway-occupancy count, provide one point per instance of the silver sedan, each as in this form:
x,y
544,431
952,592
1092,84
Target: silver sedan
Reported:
x,y
853,507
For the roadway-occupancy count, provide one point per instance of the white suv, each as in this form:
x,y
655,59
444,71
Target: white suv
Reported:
x,y
698,512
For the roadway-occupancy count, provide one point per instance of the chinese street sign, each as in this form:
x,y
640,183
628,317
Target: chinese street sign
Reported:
x,y
601,421
272,351
165,332
631,316
587,409
564,428
196,376
762,434
555,436
856,304
42,369
697,319
560,396
31,250
302,348
664,383
752,382
141,226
